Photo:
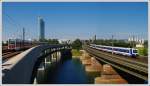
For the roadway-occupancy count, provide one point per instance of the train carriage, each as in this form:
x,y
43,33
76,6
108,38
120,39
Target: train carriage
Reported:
x,y
18,44
14,44
116,50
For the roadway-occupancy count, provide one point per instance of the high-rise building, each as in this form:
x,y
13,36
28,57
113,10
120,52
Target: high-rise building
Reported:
x,y
42,29
95,37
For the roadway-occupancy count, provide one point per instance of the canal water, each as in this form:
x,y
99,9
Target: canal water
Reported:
x,y
70,71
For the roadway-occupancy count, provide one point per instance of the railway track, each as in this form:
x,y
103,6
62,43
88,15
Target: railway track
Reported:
x,y
9,55
138,69
6,53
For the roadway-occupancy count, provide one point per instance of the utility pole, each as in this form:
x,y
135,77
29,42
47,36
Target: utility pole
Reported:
x,y
23,34
112,43
133,41
95,37
130,39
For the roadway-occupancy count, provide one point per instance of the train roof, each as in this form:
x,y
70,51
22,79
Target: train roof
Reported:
x,y
114,47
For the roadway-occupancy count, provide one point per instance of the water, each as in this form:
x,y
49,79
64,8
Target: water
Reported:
x,y
70,71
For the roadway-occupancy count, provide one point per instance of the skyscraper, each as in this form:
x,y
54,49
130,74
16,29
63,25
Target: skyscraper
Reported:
x,y
42,29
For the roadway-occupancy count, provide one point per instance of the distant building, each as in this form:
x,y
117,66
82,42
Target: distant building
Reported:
x,y
139,45
138,42
65,41
42,28
95,37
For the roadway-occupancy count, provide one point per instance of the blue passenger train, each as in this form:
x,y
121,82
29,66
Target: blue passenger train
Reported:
x,y
131,52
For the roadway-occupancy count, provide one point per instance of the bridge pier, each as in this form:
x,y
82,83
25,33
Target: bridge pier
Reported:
x,y
91,64
106,74
47,60
51,61
94,67
109,76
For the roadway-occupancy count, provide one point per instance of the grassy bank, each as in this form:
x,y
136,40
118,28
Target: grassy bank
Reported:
x,y
143,51
76,52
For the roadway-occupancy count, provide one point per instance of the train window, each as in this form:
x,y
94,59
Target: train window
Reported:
x,y
120,50
134,51
115,49
127,51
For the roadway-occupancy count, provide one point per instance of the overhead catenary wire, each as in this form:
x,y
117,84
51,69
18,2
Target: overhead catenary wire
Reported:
x,y
12,21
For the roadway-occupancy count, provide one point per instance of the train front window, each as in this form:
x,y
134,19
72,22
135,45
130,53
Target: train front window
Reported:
x,y
134,51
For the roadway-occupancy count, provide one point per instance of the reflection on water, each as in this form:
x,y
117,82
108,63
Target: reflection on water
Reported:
x,y
70,71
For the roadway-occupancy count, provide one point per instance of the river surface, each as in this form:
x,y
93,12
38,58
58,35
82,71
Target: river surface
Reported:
x,y
70,71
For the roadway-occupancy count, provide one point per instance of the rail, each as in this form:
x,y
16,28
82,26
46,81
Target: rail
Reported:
x,y
132,67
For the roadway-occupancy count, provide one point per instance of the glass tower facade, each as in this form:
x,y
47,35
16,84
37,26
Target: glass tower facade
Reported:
x,y
42,29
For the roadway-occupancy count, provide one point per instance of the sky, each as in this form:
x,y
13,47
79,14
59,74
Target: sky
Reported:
x,y
71,20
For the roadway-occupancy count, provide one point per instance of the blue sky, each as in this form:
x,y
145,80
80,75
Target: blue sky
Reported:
x,y
76,20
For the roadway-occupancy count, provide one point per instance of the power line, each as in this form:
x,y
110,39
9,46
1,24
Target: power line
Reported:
x,y
13,21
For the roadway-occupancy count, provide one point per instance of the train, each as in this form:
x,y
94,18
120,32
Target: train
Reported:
x,y
130,52
18,44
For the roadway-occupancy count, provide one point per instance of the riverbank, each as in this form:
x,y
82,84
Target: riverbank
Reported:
x,y
76,52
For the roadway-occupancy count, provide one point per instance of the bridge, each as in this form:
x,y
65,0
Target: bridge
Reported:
x,y
22,68
131,66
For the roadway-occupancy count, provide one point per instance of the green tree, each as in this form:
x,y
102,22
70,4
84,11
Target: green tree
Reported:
x,y
53,41
145,52
146,44
118,43
43,40
77,44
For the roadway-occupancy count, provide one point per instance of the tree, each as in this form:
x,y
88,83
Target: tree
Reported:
x,y
53,41
42,40
77,44
145,51
146,44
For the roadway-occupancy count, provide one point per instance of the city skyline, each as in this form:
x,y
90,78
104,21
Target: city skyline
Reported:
x,y
76,20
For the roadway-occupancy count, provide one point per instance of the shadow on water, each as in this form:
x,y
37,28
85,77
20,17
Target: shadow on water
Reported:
x,y
70,71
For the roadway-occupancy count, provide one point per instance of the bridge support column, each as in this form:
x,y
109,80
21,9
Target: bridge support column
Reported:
x,y
94,67
55,55
109,76
59,55
48,60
